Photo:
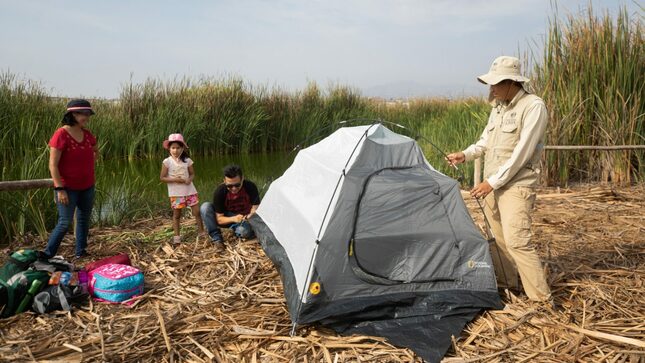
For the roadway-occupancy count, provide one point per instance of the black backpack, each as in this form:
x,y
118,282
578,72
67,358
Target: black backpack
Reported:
x,y
59,297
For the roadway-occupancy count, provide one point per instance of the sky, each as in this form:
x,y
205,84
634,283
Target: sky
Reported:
x,y
390,49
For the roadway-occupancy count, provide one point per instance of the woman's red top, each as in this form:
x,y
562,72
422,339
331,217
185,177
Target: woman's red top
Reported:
x,y
76,165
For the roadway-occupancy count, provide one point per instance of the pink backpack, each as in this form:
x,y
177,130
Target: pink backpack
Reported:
x,y
121,258
115,283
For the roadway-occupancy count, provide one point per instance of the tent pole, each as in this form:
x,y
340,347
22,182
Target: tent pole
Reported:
x,y
304,289
313,254
492,239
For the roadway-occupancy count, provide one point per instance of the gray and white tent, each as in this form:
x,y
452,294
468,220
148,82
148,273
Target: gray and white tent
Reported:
x,y
371,239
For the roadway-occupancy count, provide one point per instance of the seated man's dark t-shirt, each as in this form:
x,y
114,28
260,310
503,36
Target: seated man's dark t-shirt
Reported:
x,y
241,202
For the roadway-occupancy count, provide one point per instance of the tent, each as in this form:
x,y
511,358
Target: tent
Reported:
x,y
370,239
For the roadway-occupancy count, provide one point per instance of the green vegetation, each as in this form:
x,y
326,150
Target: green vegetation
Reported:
x,y
591,76
218,117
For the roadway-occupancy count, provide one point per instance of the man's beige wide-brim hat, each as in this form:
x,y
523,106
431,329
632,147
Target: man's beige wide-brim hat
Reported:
x,y
503,67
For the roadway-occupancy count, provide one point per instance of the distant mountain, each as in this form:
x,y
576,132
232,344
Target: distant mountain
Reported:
x,y
414,89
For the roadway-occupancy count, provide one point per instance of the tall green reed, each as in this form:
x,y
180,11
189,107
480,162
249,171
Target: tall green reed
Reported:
x,y
591,75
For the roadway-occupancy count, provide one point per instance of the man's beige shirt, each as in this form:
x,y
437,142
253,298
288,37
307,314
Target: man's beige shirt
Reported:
x,y
512,141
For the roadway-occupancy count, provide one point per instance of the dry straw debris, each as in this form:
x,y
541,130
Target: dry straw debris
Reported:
x,y
201,306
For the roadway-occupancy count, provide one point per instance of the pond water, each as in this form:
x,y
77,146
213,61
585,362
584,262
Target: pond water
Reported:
x,y
132,188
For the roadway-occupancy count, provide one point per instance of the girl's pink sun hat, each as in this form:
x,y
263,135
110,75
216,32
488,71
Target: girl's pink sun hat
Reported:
x,y
174,138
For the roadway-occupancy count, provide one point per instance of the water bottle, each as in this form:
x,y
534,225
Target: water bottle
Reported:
x,y
65,277
33,289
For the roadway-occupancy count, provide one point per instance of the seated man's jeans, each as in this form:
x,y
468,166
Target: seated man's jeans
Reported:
x,y
241,230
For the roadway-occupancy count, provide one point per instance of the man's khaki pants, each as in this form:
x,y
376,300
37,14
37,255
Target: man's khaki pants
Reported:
x,y
509,214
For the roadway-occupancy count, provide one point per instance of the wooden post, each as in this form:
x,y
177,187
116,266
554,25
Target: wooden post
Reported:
x,y
477,178
595,147
13,185
478,167
25,184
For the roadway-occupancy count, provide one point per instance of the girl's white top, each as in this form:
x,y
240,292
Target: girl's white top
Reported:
x,y
179,169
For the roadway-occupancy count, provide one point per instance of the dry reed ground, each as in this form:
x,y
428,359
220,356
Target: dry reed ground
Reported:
x,y
202,306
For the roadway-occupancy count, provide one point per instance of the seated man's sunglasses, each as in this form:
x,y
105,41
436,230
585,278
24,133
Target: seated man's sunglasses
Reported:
x,y
231,186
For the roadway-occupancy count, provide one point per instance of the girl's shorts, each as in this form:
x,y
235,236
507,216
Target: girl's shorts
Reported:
x,y
183,202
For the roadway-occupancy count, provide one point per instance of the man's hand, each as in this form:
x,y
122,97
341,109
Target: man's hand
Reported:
x,y
456,158
238,218
482,190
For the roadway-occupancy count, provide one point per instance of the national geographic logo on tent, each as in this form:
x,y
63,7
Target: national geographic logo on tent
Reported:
x,y
478,264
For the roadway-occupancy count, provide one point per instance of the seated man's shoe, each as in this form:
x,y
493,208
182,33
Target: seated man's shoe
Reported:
x,y
244,231
219,246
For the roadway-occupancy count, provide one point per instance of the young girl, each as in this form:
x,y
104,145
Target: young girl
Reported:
x,y
177,171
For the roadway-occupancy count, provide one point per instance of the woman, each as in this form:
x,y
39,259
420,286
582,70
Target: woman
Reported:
x,y
73,151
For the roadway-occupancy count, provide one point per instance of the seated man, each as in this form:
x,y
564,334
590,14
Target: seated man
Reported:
x,y
234,202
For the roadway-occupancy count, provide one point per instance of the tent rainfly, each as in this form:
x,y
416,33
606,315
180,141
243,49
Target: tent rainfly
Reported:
x,y
370,239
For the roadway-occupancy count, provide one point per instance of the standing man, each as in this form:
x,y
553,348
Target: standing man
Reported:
x,y
234,202
511,145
